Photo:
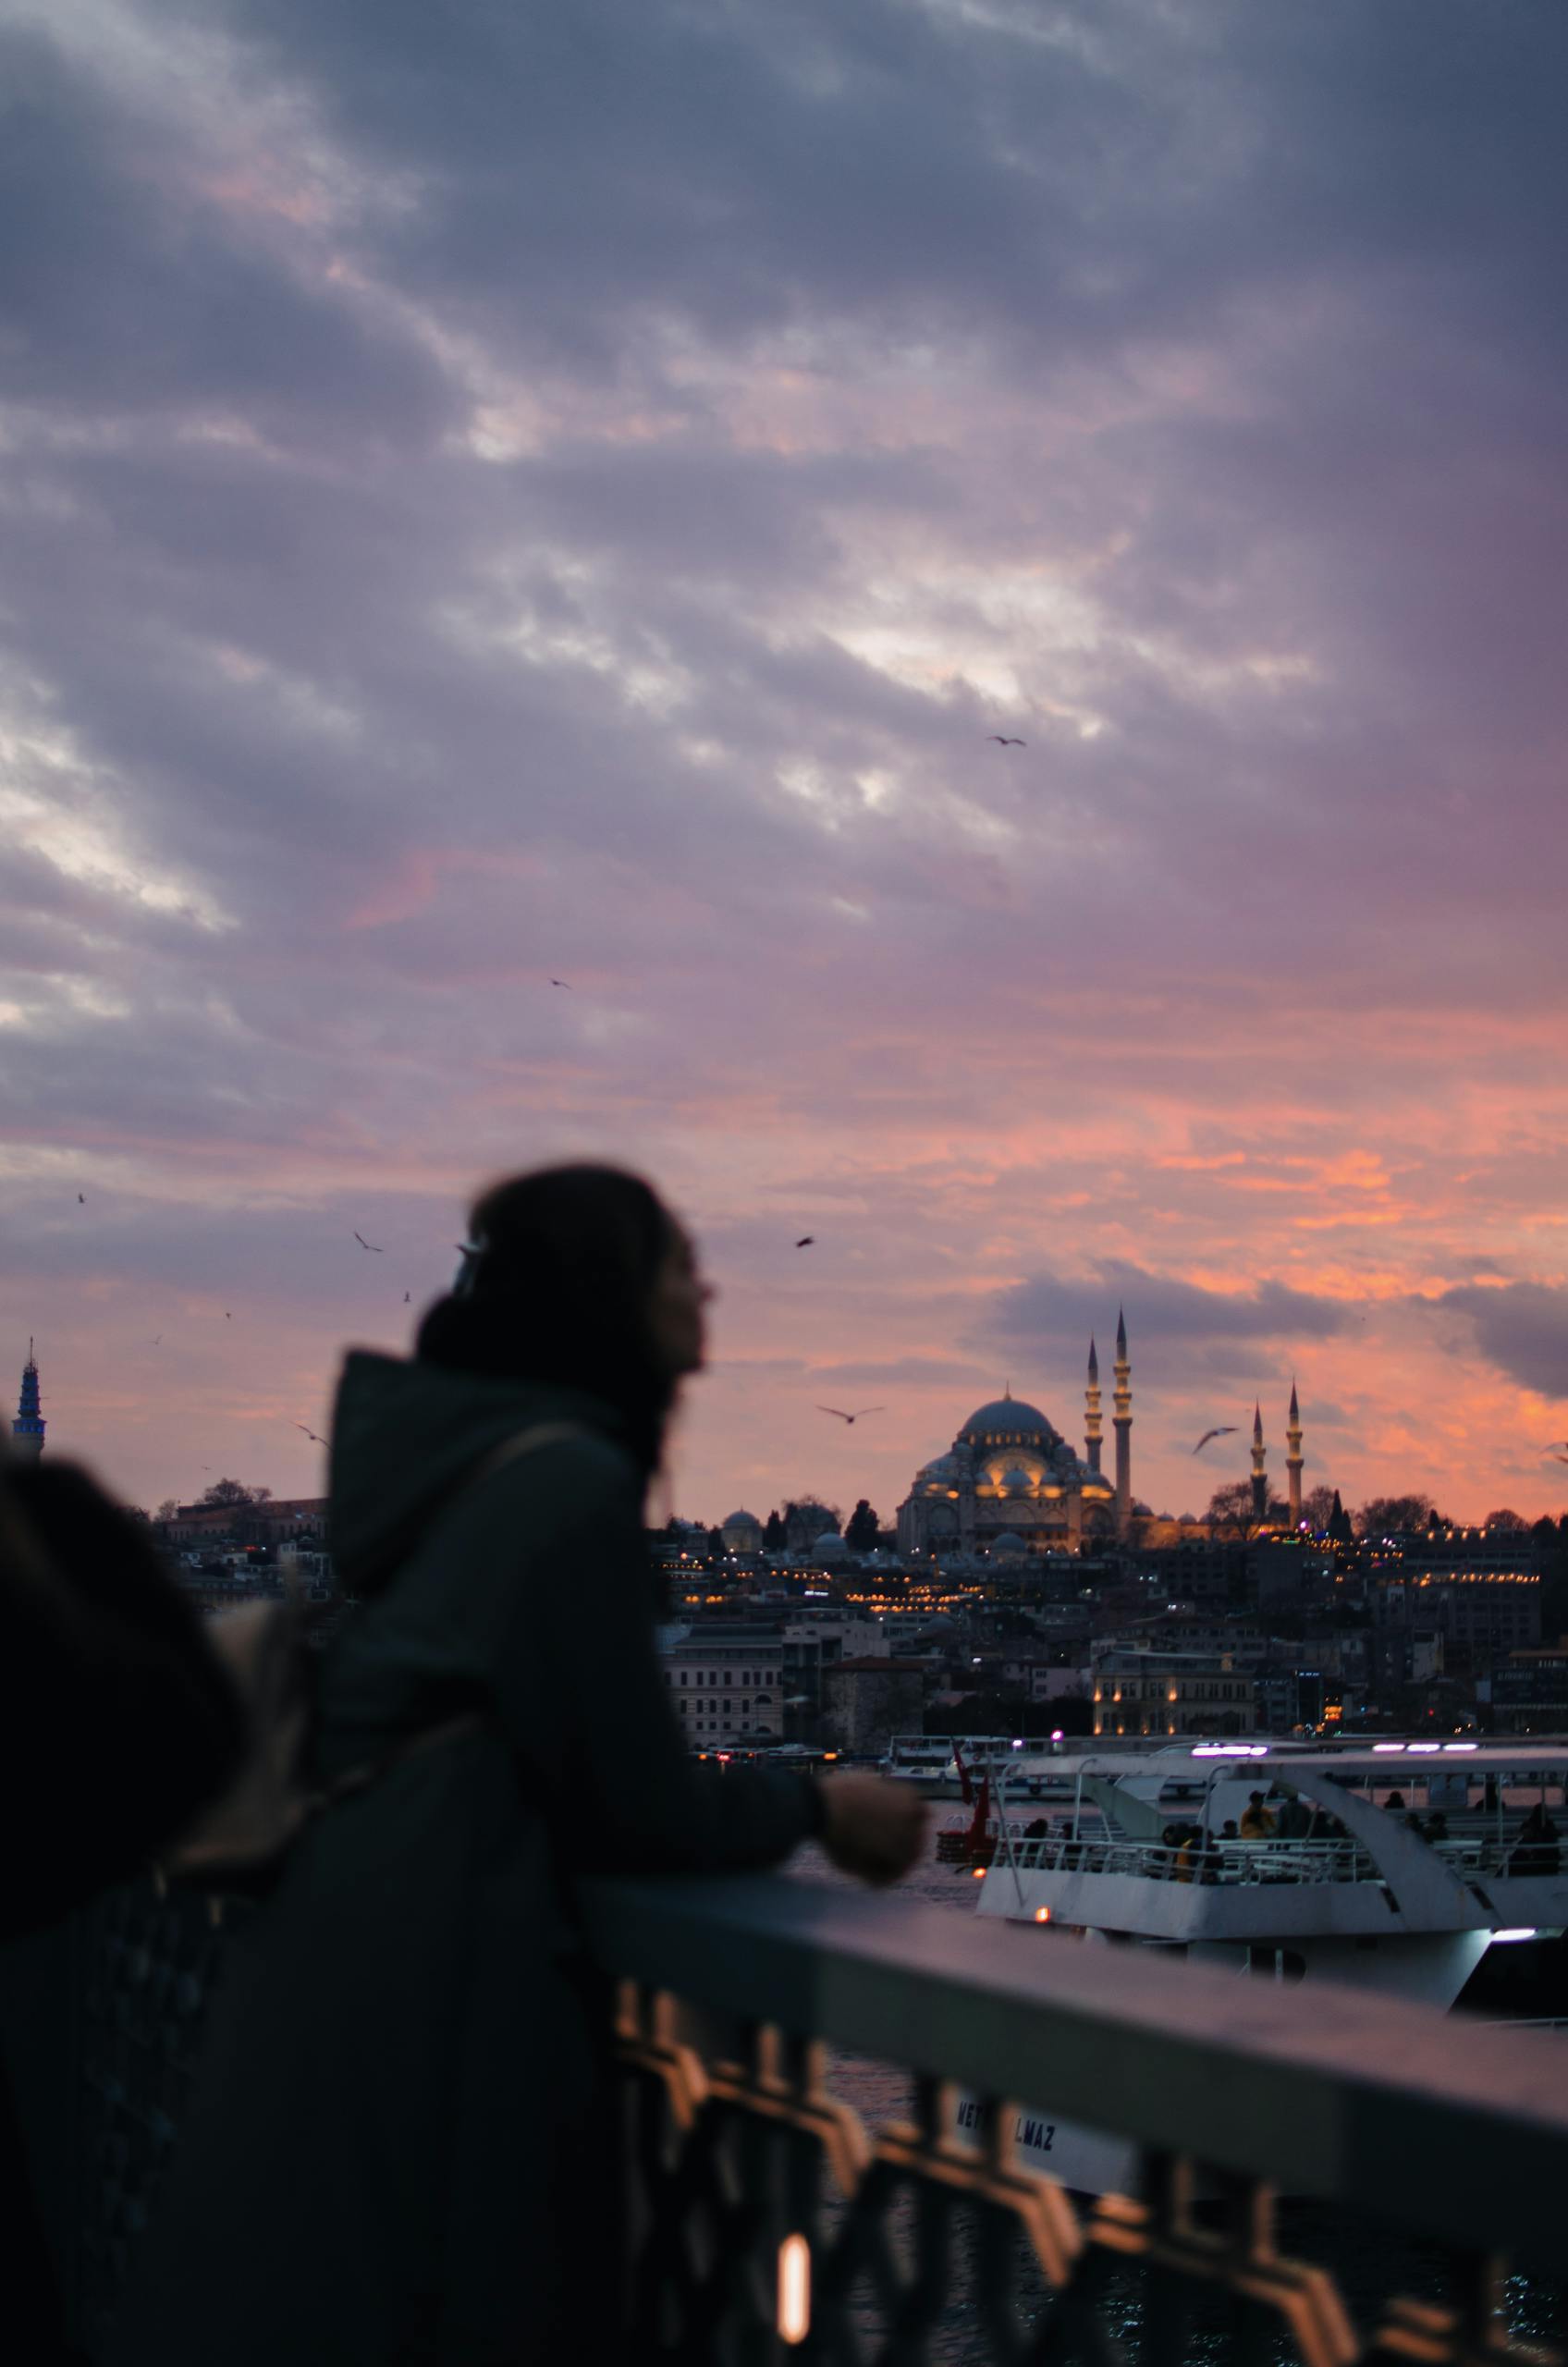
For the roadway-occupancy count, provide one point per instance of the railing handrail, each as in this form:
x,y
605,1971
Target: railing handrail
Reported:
x,y
1216,1861
1342,2094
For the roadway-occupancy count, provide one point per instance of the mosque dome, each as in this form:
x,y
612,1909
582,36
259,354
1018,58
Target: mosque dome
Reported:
x,y
1009,1421
1007,1547
829,1546
740,1519
941,1471
1016,1481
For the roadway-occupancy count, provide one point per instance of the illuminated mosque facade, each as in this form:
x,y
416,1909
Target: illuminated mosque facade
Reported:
x,y
1010,1485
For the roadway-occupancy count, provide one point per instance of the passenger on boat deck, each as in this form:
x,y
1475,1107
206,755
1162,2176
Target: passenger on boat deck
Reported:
x,y
1227,1829
1536,1851
1437,1826
398,2144
1294,1820
1257,1823
1036,1828
1394,1800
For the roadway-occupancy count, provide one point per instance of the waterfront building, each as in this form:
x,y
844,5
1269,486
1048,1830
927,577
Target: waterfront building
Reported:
x,y
866,1703
725,1683
1145,1691
1529,1694
26,1430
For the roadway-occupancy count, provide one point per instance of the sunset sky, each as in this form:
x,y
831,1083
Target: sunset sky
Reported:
x,y
494,493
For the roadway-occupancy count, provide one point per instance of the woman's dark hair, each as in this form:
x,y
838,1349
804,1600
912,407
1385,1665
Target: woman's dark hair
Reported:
x,y
562,1267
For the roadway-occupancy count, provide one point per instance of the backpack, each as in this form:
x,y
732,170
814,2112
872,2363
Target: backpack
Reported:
x,y
241,1837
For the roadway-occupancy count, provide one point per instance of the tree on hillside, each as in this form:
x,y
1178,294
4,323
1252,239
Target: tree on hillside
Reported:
x,y
807,1518
229,1491
1230,1510
1318,1509
1506,1519
773,1534
860,1534
1387,1515
714,1543
167,1509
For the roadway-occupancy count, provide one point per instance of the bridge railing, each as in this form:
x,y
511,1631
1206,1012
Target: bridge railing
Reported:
x,y
797,2183
768,2222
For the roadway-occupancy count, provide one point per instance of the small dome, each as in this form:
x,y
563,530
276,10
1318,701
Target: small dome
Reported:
x,y
740,1519
1008,1545
942,1468
1016,1479
828,1544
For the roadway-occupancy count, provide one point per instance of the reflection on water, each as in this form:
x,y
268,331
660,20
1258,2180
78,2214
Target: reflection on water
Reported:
x,y
1370,2262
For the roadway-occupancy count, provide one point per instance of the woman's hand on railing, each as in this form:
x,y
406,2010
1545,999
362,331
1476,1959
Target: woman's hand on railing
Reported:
x,y
872,1828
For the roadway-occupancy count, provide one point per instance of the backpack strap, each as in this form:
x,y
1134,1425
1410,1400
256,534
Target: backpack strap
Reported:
x,y
520,1442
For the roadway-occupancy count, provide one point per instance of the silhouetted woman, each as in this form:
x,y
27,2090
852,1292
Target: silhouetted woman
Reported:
x,y
397,2154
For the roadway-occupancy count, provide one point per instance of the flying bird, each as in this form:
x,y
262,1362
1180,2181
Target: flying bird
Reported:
x,y
805,1241
82,1199
157,1342
368,1245
562,982
226,1316
851,1417
1224,1431
406,1299
310,1434
1003,742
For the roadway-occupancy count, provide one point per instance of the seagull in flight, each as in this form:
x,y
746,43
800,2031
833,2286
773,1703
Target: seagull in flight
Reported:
x,y
1003,742
368,1245
805,1241
310,1434
562,982
82,1199
406,1299
851,1417
157,1342
1225,1430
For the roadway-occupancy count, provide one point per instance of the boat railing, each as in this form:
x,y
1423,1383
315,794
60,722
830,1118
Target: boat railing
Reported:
x,y
1339,1860
1208,1862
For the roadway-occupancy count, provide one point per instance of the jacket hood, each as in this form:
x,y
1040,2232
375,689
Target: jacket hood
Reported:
x,y
405,1436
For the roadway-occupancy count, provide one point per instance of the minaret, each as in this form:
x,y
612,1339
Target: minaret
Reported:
x,y
1092,1412
1292,1458
26,1430
1121,1420
1259,1477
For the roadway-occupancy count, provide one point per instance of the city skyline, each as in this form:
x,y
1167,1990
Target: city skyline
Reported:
x,y
497,501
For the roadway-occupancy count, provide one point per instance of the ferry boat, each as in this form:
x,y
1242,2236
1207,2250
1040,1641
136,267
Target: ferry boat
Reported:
x,y
935,1764
1335,1880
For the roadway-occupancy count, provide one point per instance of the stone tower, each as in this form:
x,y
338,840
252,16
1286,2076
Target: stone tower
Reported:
x,y
1092,1412
1121,1420
1259,1476
26,1430
1292,1457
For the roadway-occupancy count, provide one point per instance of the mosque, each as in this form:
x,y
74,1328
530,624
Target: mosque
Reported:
x,y
1010,1485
